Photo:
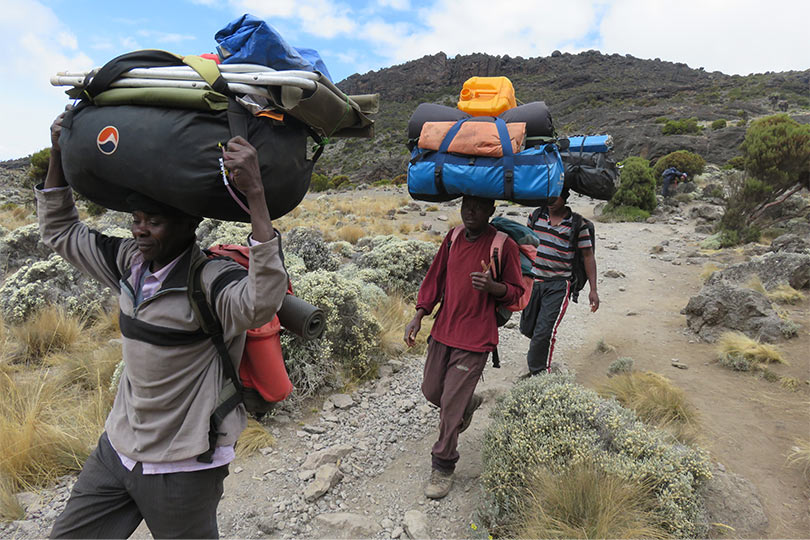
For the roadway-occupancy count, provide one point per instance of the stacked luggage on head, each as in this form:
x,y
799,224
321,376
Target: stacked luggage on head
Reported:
x,y
491,147
153,122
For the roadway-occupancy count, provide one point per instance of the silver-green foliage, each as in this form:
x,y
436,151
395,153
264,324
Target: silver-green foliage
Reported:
x,y
351,329
50,282
309,364
553,422
620,365
310,246
400,264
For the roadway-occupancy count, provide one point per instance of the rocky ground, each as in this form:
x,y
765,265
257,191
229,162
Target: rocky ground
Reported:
x,y
355,464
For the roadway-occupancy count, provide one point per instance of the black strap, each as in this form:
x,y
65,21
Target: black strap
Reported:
x,y
237,120
496,361
211,325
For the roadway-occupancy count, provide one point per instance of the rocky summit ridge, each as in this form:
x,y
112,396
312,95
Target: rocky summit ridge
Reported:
x,y
588,93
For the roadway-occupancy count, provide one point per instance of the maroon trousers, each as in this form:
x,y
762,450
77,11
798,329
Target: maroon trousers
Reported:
x,y
449,381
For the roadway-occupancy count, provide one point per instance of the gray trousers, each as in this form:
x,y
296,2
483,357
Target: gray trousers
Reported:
x,y
109,501
540,319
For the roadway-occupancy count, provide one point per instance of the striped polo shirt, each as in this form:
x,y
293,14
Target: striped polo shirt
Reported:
x,y
554,259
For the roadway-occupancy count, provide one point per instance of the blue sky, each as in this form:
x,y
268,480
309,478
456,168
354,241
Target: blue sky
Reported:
x,y
41,37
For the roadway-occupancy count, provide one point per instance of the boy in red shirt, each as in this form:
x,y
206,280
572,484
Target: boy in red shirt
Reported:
x,y
465,331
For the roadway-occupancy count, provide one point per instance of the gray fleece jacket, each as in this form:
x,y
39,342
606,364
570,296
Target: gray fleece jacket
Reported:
x,y
173,374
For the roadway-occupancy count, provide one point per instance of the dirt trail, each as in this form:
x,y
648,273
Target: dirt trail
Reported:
x,y
748,424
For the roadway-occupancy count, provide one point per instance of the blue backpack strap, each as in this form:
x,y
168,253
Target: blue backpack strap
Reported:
x,y
508,159
442,154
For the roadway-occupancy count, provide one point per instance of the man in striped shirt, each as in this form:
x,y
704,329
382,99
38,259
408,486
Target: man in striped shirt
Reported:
x,y
553,267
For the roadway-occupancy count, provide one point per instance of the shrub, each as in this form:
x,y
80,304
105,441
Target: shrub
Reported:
x,y
620,365
400,179
661,120
683,160
631,214
776,150
309,244
736,163
685,126
351,329
400,264
552,423
636,188
339,180
320,182
719,124
39,166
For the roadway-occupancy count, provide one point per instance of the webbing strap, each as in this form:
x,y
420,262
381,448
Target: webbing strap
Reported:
x,y
508,159
208,70
438,169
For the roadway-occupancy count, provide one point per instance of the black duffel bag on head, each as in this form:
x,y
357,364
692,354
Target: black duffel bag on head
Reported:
x,y
173,154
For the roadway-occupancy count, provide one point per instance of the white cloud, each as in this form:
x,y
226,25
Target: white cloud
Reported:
x,y
37,50
165,37
735,37
321,18
401,5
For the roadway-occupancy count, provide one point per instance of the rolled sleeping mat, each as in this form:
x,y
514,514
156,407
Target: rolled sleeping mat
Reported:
x,y
432,112
536,116
301,318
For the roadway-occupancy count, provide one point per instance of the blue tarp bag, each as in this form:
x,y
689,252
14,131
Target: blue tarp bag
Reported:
x,y
590,143
250,40
529,177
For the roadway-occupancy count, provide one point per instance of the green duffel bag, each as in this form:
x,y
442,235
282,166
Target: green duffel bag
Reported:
x,y
172,154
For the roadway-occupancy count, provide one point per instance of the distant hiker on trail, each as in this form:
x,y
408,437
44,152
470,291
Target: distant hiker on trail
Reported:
x,y
465,330
671,175
158,460
554,271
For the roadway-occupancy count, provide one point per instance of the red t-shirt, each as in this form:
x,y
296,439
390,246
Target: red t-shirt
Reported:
x,y
466,318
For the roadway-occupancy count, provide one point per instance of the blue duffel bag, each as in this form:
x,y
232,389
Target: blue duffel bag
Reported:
x,y
529,177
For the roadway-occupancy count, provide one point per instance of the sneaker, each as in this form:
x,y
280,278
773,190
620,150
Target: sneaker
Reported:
x,y
439,485
474,403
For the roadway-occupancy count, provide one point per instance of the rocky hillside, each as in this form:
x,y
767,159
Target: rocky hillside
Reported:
x,y
588,93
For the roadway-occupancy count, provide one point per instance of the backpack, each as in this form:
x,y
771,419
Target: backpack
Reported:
x,y
579,276
262,380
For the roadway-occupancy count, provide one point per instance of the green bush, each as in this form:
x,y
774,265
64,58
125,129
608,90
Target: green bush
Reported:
x,y
551,423
683,160
661,120
398,265
737,163
776,150
718,124
636,187
339,180
685,126
320,182
400,179
620,365
39,165
613,214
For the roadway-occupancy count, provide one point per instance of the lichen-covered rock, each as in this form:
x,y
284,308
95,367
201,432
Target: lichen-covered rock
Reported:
x,y
720,306
552,422
50,282
734,501
400,264
790,243
213,231
709,212
773,269
310,246
20,246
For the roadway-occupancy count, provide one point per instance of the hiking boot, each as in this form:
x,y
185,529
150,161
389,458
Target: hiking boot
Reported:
x,y
439,485
474,403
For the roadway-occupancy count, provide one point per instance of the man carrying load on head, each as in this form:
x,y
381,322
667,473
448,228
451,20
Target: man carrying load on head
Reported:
x,y
553,271
158,459
465,331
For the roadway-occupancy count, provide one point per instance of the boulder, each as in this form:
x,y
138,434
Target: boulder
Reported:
x,y
791,243
348,525
325,477
416,526
773,269
709,212
327,455
720,307
734,501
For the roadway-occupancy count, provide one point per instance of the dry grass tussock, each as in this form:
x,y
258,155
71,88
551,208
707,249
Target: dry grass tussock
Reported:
x,y
604,347
14,216
358,216
254,438
708,270
393,314
656,401
49,331
781,294
585,502
739,352
800,455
